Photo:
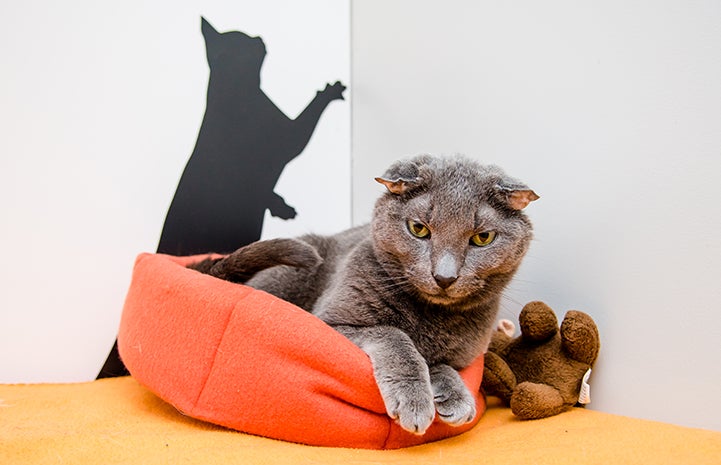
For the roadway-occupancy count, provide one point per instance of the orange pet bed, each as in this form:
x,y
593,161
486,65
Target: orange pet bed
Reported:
x,y
241,358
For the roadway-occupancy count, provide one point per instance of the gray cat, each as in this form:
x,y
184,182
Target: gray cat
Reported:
x,y
418,289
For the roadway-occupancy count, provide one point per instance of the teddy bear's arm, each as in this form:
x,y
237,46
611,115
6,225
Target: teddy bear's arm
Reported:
x,y
498,379
579,336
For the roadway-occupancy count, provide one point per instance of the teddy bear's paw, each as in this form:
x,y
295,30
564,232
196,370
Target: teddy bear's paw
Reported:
x,y
498,378
531,401
454,402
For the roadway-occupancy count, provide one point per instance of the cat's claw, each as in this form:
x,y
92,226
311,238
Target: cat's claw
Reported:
x,y
415,417
455,404
457,408
412,407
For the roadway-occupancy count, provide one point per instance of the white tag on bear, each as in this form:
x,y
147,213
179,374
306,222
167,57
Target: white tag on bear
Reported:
x,y
585,396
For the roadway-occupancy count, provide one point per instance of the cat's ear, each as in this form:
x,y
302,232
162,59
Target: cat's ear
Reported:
x,y
404,175
398,186
516,194
208,30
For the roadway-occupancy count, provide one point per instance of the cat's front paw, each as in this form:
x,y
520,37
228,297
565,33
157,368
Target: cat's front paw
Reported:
x,y
454,402
334,91
456,407
410,404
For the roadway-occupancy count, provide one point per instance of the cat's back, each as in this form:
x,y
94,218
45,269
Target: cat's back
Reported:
x,y
302,286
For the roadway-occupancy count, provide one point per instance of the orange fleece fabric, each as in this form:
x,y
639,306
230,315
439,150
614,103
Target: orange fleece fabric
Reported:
x,y
244,359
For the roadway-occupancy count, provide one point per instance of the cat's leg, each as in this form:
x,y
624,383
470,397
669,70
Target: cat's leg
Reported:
x,y
244,263
454,402
400,372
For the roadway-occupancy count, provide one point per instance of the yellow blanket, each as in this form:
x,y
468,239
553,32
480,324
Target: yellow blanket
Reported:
x,y
118,421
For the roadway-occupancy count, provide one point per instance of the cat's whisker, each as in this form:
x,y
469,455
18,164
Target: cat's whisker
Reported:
x,y
394,285
507,299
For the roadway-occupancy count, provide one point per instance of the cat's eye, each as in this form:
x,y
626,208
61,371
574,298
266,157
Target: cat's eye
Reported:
x,y
418,229
483,239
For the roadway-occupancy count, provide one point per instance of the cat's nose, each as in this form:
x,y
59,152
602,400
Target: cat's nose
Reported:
x,y
445,271
444,281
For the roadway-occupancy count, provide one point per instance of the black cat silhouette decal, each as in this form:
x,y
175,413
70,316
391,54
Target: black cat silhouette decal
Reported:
x,y
243,145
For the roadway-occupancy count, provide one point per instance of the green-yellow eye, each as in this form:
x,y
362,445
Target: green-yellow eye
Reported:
x,y
483,239
418,229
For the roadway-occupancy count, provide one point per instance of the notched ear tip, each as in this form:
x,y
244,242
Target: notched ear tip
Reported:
x,y
394,187
518,200
398,186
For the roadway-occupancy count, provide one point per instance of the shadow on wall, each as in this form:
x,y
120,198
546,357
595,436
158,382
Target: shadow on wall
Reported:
x,y
243,145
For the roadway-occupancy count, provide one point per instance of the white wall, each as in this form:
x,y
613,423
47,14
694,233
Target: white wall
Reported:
x,y
100,106
611,111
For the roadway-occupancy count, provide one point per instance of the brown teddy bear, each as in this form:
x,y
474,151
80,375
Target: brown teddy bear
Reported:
x,y
541,373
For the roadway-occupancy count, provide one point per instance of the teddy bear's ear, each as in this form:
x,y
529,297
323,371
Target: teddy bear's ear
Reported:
x,y
506,327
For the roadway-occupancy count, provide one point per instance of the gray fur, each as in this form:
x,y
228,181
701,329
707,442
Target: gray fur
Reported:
x,y
421,308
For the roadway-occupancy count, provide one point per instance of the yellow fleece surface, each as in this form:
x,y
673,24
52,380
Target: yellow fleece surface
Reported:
x,y
118,421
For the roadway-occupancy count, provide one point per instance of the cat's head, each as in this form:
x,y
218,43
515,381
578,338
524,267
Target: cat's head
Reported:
x,y
234,51
451,230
